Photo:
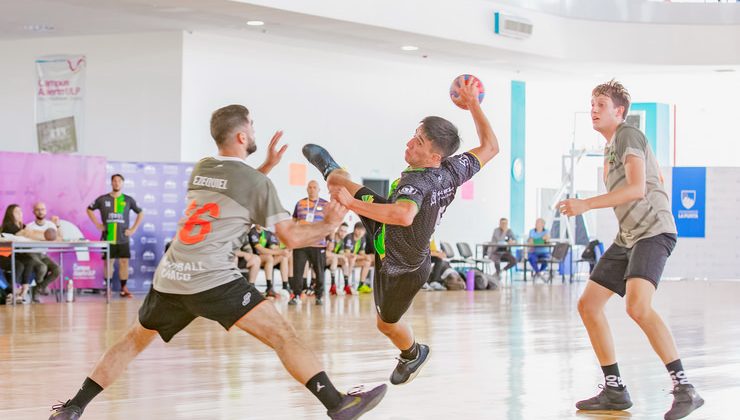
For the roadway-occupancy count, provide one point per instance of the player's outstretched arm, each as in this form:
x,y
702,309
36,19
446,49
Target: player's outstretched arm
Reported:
x,y
633,189
488,142
400,213
295,235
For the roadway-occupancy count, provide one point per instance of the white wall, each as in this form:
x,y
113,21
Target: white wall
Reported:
x,y
151,95
706,129
363,109
572,40
716,255
132,108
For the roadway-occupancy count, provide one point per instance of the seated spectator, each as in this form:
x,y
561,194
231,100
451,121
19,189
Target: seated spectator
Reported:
x,y
31,263
335,258
439,265
41,224
538,236
245,258
502,235
354,249
5,265
267,247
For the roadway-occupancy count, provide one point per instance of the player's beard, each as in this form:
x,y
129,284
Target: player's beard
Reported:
x,y
251,147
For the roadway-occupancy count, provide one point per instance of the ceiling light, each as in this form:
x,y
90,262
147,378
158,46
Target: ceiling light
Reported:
x,y
39,28
409,48
255,23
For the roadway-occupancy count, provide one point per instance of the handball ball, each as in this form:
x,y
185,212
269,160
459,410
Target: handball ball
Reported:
x,y
457,84
50,234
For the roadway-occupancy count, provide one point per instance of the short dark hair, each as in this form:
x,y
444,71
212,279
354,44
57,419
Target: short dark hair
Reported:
x,y
359,225
225,120
117,175
616,92
344,224
443,135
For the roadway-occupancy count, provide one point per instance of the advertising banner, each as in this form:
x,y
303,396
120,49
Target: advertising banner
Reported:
x,y
688,201
60,94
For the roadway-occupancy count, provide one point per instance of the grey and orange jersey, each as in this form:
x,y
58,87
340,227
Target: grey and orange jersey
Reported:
x,y
225,196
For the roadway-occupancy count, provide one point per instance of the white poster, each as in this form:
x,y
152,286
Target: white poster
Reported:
x,y
60,94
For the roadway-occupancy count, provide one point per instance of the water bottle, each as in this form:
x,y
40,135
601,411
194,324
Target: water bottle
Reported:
x,y
70,289
470,280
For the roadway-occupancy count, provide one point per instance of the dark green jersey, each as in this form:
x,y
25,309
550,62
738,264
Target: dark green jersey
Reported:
x,y
404,249
115,214
354,246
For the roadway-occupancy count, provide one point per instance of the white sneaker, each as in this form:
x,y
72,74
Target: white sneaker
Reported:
x,y
426,286
435,285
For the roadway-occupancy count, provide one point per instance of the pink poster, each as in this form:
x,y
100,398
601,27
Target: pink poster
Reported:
x,y
468,190
67,184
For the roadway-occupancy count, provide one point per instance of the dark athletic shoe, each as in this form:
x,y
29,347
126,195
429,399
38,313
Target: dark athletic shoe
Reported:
x,y
319,301
607,399
294,301
270,293
65,412
320,158
685,400
406,370
357,402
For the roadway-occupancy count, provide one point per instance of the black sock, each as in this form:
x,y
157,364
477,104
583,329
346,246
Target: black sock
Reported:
x,y
89,390
346,281
123,284
305,283
287,286
269,284
411,352
612,377
333,279
322,388
678,376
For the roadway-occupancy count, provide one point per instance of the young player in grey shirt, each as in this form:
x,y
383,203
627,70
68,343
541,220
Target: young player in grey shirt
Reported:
x,y
633,265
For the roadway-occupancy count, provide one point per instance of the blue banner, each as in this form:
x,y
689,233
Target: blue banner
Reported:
x,y
160,190
689,201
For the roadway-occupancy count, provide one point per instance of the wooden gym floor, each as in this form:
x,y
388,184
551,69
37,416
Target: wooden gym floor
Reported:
x,y
518,353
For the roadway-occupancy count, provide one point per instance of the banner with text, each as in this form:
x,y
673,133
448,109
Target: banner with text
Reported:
x,y
60,93
688,201
160,189
66,184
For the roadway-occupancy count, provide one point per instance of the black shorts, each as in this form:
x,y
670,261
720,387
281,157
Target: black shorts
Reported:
x,y
645,260
168,313
119,251
394,294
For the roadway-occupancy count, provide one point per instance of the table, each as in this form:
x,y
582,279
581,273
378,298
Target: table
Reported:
x,y
60,247
484,245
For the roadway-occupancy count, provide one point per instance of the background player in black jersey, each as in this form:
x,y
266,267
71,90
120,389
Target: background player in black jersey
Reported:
x,y
402,224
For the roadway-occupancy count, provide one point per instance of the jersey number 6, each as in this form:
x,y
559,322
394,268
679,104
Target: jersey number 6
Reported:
x,y
195,215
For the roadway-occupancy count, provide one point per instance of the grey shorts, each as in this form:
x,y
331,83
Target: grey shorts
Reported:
x,y
645,260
